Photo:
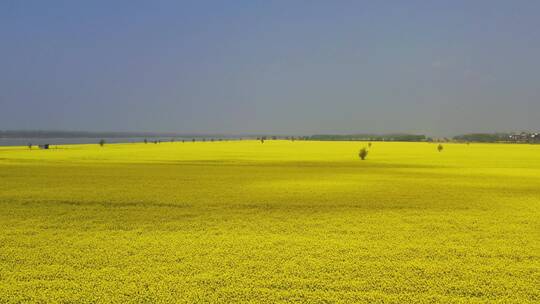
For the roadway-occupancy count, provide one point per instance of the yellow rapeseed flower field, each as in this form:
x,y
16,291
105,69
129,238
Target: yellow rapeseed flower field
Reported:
x,y
283,221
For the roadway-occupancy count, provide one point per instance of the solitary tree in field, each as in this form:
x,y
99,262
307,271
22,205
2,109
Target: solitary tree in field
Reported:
x,y
145,141
440,147
363,153
102,142
369,144
29,145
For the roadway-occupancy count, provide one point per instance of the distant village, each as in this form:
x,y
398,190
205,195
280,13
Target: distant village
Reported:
x,y
518,137
525,137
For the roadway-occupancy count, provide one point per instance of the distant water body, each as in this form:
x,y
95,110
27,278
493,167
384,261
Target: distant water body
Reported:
x,y
83,140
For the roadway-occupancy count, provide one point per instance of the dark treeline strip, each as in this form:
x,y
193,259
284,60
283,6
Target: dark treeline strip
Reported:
x,y
483,137
370,137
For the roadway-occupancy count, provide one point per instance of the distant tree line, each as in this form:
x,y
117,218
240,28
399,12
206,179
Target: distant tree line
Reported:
x,y
85,134
482,137
369,137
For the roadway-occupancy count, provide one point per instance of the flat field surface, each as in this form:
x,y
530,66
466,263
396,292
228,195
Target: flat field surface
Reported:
x,y
282,221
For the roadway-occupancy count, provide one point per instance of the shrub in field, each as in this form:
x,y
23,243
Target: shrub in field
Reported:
x,y
440,147
102,142
29,145
363,153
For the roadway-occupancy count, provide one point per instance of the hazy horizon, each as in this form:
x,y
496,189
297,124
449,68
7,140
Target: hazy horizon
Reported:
x,y
72,133
250,67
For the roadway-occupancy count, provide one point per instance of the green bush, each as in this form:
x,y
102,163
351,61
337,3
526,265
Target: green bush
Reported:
x,y
363,153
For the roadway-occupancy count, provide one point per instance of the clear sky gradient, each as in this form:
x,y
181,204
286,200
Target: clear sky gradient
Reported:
x,y
431,67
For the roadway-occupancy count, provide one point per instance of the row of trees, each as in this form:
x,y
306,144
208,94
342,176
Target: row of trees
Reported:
x,y
369,137
158,141
482,137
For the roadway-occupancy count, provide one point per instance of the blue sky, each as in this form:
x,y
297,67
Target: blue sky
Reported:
x,y
432,67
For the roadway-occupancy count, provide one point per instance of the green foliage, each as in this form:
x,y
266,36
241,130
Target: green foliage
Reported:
x,y
363,153
483,137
